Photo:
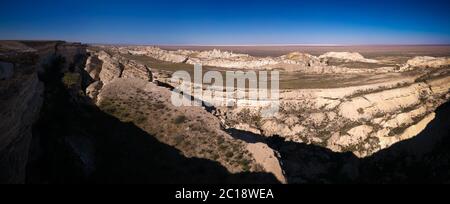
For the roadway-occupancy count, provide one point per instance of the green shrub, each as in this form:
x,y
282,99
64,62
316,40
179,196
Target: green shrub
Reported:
x,y
229,154
140,120
361,111
71,79
180,119
178,139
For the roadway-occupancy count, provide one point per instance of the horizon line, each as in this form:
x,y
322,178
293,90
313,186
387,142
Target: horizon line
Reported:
x,y
244,45
274,44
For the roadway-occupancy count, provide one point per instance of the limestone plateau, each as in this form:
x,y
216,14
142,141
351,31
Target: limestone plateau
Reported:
x,y
75,113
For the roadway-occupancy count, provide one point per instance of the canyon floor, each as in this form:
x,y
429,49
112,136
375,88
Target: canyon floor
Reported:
x,y
103,114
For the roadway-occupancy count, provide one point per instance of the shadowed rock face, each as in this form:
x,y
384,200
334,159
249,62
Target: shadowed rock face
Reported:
x,y
6,70
422,159
21,99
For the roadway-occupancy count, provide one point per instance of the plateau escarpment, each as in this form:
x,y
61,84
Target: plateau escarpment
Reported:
x,y
292,62
388,105
125,90
362,120
101,114
21,100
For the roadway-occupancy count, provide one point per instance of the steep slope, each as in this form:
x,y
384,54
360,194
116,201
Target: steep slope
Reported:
x,y
21,99
192,130
76,142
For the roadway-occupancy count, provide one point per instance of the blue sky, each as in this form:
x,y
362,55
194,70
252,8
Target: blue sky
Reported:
x,y
229,22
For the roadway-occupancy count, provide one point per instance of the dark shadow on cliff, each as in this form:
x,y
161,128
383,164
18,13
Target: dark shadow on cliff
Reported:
x,y
422,159
75,142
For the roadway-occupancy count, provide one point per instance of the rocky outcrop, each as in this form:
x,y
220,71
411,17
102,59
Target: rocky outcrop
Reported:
x,y
94,67
21,98
93,90
215,53
362,120
169,56
103,68
292,62
111,68
425,62
347,56
136,70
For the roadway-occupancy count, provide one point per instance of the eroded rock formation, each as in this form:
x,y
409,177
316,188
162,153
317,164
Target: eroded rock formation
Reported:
x,y
358,119
124,90
347,56
427,62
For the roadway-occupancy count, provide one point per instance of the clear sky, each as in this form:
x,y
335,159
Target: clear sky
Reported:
x,y
229,21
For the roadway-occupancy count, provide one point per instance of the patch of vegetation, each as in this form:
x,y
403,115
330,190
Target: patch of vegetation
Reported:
x,y
196,141
229,154
71,79
180,119
397,131
178,139
140,120
361,111
348,125
245,164
246,117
